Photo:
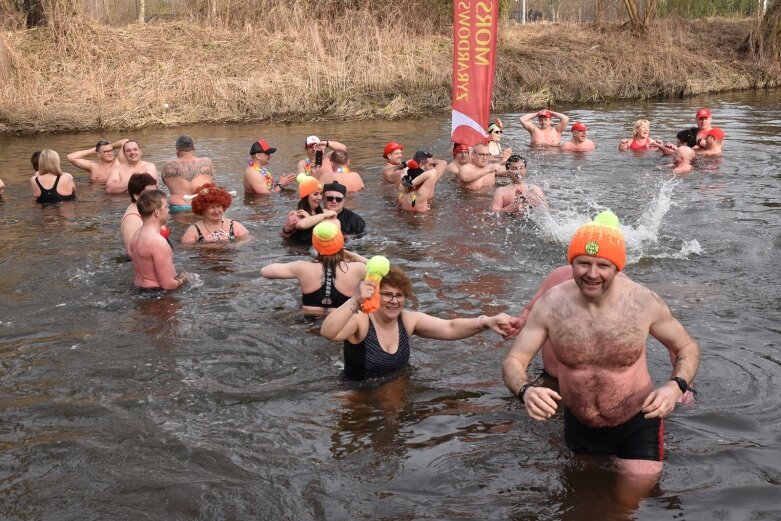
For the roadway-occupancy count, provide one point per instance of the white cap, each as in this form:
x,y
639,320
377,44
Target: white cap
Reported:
x,y
312,140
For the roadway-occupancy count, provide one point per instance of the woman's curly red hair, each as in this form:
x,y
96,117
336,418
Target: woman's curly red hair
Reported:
x,y
208,195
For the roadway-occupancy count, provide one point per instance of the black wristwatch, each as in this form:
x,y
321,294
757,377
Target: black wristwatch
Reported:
x,y
522,391
682,385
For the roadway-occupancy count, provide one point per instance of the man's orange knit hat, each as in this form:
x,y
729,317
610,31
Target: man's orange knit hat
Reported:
x,y
327,238
600,238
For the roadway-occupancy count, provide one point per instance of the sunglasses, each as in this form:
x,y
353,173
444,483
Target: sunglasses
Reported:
x,y
497,131
332,199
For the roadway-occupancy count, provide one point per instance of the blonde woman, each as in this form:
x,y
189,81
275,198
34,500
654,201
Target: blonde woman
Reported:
x,y
50,184
641,139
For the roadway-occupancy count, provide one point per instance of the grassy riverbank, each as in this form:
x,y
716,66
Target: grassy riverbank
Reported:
x,y
87,76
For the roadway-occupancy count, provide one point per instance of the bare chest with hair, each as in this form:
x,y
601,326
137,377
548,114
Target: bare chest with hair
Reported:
x,y
609,339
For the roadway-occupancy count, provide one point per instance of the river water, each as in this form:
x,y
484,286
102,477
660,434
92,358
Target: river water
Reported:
x,y
222,402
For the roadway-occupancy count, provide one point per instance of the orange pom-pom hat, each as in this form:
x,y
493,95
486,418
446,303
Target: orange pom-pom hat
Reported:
x,y
600,238
327,238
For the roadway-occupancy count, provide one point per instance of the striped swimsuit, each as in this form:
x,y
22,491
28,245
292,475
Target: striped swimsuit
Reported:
x,y
368,360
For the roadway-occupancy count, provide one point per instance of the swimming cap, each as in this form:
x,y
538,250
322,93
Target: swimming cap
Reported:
x,y
458,147
390,148
544,113
579,126
327,238
492,127
307,185
703,113
600,238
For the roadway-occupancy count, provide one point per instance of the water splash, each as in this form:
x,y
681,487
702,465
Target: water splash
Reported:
x,y
642,238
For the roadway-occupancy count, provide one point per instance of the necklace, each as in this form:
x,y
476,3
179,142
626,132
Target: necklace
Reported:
x,y
217,234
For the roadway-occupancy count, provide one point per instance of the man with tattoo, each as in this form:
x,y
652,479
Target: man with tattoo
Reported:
x,y
129,163
102,169
185,174
598,324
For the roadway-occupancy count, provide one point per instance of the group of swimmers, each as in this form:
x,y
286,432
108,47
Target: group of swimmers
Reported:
x,y
590,321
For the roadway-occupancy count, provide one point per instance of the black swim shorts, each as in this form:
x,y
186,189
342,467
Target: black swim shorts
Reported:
x,y
637,438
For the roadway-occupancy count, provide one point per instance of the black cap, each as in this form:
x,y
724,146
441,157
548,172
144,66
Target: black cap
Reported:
x,y
336,186
185,143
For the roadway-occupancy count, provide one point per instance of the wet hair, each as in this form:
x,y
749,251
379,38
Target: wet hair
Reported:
x,y
514,159
303,204
688,136
398,279
138,183
641,123
332,262
130,141
208,195
49,162
101,143
149,201
339,157
34,159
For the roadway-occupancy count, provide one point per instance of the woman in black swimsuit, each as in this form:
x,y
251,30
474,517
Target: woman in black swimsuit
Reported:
x,y
330,279
211,201
50,184
378,344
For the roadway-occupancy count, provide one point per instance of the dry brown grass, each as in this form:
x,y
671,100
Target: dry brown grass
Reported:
x,y
83,75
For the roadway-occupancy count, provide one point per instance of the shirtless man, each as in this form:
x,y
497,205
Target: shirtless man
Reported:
x,y
682,160
713,143
313,145
427,162
129,163
186,173
517,197
417,188
394,168
102,169
340,172
153,259
479,173
579,141
460,158
598,325
704,120
2,187
257,178
545,134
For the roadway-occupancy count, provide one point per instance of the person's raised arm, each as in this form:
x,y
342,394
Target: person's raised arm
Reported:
x,y
427,326
78,159
334,145
470,173
121,145
526,121
561,126
281,270
440,166
311,221
344,322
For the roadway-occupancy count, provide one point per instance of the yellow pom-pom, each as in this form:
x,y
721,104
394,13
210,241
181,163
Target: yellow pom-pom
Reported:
x,y
378,265
326,231
607,218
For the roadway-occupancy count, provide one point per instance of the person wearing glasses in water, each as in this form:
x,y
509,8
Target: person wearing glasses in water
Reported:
x,y
518,196
378,344
479,173
106,165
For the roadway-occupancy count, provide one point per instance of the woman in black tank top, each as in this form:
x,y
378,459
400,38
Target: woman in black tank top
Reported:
x,y
378,344
50,184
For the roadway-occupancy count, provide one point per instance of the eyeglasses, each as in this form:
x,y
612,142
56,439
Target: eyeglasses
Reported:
x,y
332,199
388,296
484,156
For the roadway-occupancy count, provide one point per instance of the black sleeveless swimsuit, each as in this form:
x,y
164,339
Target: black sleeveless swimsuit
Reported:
x,y
50,195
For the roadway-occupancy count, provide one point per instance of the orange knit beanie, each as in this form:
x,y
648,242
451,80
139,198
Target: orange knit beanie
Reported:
x,y
600,238
327,238
307,185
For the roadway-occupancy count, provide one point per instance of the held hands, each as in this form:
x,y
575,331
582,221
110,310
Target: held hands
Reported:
x,y
502,324
540,402
661,401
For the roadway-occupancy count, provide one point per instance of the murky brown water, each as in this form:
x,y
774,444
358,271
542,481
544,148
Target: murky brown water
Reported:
x,y
222,402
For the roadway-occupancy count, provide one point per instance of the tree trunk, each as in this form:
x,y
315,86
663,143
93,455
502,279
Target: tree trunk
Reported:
x,y
35,13
141,11
766,39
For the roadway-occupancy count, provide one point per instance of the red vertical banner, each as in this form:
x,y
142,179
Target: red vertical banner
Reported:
x,y
474,53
